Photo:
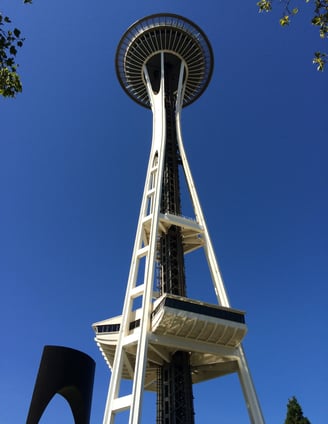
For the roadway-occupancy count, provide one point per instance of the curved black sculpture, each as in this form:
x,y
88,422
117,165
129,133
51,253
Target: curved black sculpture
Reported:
x,y
69,373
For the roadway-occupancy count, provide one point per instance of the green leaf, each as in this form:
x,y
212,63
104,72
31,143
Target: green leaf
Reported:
x,y
316,20
284,21
17,32
320,59
264,5
10,62
10,83
13,50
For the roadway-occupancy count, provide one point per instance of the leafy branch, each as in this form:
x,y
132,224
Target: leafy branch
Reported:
x,y
319,19
10,41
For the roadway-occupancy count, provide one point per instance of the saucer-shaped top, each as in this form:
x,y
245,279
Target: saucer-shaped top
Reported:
x,y
167,33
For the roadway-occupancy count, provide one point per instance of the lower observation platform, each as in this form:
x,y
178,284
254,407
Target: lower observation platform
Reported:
x,y
209,332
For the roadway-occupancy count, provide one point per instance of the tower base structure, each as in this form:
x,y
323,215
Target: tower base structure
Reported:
x,y
164,62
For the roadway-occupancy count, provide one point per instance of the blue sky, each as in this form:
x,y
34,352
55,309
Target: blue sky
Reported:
x,y
73,156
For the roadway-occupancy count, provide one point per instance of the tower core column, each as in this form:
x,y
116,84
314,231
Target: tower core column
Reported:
x,y
174,395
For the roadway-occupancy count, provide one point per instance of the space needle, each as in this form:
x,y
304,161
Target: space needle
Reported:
x,y
163,341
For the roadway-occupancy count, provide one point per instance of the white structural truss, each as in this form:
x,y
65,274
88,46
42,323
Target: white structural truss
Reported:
x,y
153,325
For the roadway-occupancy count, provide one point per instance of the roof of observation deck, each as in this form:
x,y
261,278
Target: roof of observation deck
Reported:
x,y
169,33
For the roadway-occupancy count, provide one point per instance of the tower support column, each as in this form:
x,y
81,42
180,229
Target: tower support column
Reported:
x,y
144,251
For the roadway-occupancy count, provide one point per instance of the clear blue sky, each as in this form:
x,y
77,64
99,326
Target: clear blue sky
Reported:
x,y
73,155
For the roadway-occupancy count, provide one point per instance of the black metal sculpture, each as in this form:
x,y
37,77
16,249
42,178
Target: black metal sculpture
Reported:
x,y
69,373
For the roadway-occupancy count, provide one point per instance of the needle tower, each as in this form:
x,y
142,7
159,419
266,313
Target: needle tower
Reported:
x,y
164,341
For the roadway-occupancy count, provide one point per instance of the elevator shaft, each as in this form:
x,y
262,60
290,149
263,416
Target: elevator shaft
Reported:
x,y
175,398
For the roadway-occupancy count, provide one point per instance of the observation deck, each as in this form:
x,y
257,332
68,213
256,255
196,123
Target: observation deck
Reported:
x,y
177,37
209,332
